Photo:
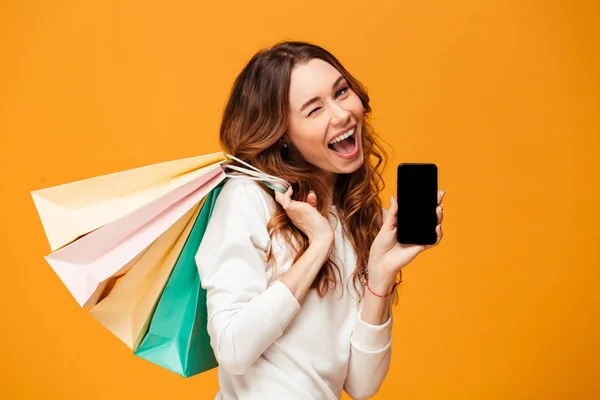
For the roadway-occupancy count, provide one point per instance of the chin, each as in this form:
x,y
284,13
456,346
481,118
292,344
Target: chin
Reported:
x,y
352,165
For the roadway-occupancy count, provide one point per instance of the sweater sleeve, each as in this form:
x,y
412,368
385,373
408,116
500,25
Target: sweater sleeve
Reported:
x,y
370,356
245,314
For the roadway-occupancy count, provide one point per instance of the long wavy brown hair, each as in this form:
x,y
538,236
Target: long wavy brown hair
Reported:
x,y
253,125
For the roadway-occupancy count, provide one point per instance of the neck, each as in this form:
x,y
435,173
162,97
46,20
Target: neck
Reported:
x,y
330,180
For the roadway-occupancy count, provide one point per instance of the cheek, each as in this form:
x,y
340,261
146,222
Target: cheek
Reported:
x,y
356,106
309,139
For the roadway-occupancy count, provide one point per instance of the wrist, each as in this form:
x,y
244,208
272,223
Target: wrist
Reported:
x,y
379,274
321,239
379,281
381,289
323,243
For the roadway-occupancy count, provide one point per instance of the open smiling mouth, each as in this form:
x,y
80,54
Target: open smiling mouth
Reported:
x,y
345,146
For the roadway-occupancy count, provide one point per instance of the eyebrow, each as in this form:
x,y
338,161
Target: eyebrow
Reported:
x,y
314,99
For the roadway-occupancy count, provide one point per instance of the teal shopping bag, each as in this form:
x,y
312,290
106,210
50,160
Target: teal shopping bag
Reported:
x,y
177,338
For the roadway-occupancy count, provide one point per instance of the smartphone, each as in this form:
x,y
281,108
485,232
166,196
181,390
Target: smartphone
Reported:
x,y
417,189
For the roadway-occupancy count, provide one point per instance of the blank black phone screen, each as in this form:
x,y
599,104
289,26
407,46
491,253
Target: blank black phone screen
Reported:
x,y
417,188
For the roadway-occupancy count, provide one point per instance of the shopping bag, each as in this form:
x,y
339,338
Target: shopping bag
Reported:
x,y
124,245
127,308
74,209
87,264
178,338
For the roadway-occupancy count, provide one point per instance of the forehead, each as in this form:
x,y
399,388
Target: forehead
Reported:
x,y
309,80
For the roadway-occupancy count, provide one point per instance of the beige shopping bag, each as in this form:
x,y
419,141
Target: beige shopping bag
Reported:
x,y
74,209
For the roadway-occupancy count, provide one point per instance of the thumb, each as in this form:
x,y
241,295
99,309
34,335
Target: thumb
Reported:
x,y
390,219
312,199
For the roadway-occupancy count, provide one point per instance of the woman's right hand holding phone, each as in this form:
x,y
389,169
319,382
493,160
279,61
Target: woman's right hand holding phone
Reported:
x,y
387,256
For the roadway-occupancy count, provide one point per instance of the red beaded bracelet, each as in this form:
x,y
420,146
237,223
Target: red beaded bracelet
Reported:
x,y
378,295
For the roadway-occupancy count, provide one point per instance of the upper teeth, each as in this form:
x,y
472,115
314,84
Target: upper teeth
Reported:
x,y
342,137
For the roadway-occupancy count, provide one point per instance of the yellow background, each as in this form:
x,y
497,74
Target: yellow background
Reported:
x,y
502,95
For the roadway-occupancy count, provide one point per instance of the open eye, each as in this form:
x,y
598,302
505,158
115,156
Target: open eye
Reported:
x,y
341,91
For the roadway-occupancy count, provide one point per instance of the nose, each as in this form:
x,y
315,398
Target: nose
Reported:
x,y
339,115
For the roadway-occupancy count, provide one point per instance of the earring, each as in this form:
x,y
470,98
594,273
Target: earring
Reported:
x,y
284,145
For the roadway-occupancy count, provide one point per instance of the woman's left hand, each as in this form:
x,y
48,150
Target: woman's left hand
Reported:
x,y
387,256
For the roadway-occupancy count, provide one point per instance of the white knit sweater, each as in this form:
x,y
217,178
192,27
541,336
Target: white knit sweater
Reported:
x,y
268,345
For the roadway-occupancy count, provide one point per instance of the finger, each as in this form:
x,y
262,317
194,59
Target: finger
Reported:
x,y
390,220
440,214
279,197
441,195
312,199
438,230
288,197
284,198
439,234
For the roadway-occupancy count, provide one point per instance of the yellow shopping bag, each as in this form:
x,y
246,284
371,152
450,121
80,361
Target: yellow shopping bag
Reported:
x,y
127,308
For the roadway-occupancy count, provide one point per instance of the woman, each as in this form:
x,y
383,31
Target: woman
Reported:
x,y
300,285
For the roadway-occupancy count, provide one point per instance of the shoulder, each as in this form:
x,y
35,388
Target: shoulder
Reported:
x,y
239,217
